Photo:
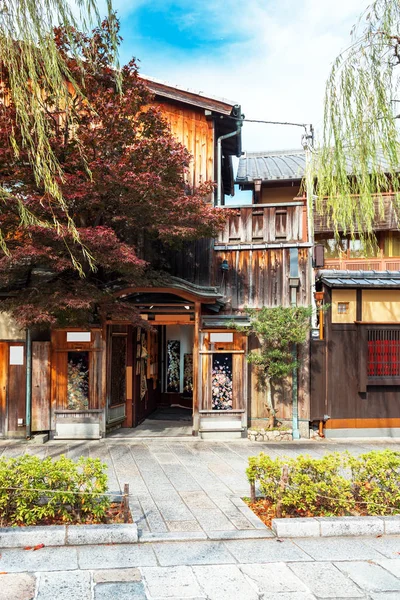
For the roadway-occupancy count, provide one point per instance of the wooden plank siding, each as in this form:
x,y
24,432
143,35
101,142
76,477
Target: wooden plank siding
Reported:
x,y
16,396
41,376
3,386
257,278
191,127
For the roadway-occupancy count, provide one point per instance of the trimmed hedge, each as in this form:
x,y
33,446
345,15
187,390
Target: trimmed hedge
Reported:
x,y
77,490
337,484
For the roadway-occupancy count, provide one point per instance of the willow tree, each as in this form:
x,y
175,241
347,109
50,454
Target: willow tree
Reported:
x,y
33,74
359,150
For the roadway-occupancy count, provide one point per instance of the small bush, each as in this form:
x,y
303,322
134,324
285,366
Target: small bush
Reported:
x,y
25,498
337,484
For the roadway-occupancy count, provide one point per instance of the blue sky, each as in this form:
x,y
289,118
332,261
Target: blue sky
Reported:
x,y
270,56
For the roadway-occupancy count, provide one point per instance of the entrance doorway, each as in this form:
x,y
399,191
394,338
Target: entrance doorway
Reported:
x,y
150,379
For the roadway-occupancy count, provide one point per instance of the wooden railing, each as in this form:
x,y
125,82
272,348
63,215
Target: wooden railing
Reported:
x,y
363,264
386,215
265,224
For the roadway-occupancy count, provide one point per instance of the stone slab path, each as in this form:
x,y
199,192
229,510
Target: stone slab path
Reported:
x,y
268,569
190,488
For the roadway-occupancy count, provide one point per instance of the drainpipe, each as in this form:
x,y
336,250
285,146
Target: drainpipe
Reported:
x,y
28,382
219,158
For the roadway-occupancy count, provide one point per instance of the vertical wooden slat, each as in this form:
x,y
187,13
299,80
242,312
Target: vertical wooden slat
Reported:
x,y
41,392
196,356
3,385
16,397
129,378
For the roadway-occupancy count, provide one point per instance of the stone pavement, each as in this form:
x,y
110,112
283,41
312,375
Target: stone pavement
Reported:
x,y
269,569
189,488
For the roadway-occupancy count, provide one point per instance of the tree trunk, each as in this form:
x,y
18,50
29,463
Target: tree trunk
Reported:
x,y
270,406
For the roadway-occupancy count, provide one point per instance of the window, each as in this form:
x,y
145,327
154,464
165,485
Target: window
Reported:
x,y
343,308
78,381
78,336
383,353
221,384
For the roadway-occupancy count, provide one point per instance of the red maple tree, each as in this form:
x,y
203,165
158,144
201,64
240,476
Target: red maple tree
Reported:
x,y
123,184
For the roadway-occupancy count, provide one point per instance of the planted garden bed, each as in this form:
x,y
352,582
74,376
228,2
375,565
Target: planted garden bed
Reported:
x,y
56,492
337,485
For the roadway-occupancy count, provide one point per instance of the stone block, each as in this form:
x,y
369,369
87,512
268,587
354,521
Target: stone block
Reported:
x,y
342,526
17,587
325,580
19,537
370,577
294,528
39,438
391,525
116,557
192,553
121,591
118,533
171,582
116,575
64,585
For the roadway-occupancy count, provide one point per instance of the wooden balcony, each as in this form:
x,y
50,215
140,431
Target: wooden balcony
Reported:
x,y
363,264
386,216
264,225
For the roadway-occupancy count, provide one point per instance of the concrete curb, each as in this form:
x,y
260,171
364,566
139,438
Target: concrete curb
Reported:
x,y
336,526
68,535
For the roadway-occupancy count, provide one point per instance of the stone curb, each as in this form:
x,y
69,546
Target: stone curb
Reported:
x,y
335,526
68,535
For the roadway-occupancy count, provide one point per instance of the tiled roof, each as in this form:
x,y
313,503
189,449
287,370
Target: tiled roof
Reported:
x,y
359,279
271,166
279,165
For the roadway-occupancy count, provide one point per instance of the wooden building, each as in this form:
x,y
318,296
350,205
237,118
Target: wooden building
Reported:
x,y
355,358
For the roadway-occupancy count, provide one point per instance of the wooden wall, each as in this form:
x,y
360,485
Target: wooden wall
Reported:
x,y
191,127
259,278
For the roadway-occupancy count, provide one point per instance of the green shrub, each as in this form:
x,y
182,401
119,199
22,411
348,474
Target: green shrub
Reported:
x,y
25,482
337,484
376,482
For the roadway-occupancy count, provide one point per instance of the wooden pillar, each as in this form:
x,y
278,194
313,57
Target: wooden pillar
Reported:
x,y
196,365
129,379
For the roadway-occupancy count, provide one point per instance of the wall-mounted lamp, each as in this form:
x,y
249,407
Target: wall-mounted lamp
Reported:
x,y
187,307
224,265
257,188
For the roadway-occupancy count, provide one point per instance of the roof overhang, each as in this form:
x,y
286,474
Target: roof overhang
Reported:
x,y
179,287
359,279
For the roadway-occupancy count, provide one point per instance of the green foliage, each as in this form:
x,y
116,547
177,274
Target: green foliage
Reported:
x,y
336,484
25,483
277,329
360,135
376,481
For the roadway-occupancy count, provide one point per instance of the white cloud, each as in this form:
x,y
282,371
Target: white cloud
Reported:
x,y
275,65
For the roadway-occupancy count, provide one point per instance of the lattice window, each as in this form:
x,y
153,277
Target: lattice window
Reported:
x,y
384,353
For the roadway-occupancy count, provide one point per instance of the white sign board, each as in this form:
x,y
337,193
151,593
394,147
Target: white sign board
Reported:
x,y
221,337
78,336
17,355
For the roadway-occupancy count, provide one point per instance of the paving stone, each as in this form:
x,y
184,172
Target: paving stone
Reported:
x,y
17,587
384,596
174,511
64,585
388,546
192,553
50,559
340,548
290,596
213,520
390,564
183,526
275,577
171,582
120,591
224,583
265,551
121,556
325,580
369,576
174,536
241,534
116,575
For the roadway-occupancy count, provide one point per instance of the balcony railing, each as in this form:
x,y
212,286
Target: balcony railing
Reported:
x,y
265,224
386,216
363,264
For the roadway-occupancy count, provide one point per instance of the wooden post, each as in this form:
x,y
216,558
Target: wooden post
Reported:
x,y
196,365
253,491
282,486
126,502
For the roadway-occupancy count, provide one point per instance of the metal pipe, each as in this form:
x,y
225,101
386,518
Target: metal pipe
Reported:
x,y
219,158
28,382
